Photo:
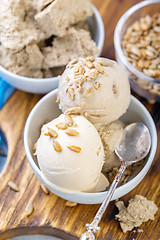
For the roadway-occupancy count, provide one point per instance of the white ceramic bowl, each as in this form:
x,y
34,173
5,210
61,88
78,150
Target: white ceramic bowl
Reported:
x,y
44,85
47,109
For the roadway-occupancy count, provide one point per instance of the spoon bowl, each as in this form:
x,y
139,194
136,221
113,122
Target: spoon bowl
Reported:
x,y
136,143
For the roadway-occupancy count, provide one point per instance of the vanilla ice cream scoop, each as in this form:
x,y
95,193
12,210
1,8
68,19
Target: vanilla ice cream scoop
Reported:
x,y
71,155
98,88
111,136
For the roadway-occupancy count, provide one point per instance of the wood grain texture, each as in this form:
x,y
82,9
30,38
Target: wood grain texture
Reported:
x,y
50,215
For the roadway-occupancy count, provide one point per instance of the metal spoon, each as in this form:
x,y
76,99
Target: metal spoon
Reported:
x,y
135,146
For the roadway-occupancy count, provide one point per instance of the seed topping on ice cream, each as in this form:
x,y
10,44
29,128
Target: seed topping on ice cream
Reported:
x,y
85,70
115,90
99,87
51,133
98,67
105,62
99,149
89,64
75,148
57,146
70,91
77,68
61,125
72,132
69,120
88,93
73,111
92,74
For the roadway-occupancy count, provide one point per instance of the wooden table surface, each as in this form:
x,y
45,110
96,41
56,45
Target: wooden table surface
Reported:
x,y
50,215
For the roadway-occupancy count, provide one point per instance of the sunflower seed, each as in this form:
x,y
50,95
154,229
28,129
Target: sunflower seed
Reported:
x,y
72,132
89,79
67,79
157,29
88,93
61,125
92,74
92,58
140,63
73,111
115,90
52,133
71,93
29,209
74,61
71,63
147,63
35,147
149,53
149,72
97,85
57,146
69,120
74,148
70,204
45,190
77,68
81,71
98,67
135,51
89,64
137,26
58,99
98,151
13,186
75,125
105,62
47,134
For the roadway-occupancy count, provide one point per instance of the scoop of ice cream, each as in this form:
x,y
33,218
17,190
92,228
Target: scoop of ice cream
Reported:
x,y
111,136
70,155
98,88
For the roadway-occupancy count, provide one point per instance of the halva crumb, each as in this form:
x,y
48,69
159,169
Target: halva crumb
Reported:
x,y
139,210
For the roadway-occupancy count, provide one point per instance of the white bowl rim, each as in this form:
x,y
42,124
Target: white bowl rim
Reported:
x,y
117,42
143,172
48,80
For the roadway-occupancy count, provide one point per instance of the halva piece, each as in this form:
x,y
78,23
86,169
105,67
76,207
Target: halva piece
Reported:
x,y
77,42
60,14
139,210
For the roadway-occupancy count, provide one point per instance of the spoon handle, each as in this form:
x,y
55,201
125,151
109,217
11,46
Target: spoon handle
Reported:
x,y
93,227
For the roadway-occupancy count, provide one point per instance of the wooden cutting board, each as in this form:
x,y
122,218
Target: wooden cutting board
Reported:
x,y
51,216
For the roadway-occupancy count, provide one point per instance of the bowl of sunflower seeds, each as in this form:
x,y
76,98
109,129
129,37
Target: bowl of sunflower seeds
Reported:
x,y
137,48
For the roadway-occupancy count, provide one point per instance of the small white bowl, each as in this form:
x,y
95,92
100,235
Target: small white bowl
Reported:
x,y
47,109
45,85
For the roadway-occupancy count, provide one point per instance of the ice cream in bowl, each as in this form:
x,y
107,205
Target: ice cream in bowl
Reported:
x,y
72,132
